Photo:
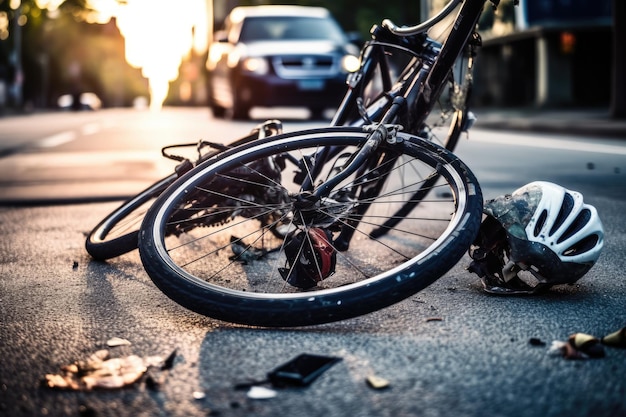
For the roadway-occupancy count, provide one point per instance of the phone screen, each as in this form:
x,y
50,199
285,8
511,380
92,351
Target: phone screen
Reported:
x,y
301,370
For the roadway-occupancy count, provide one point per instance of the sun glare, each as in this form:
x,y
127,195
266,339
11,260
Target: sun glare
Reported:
x,y
158,36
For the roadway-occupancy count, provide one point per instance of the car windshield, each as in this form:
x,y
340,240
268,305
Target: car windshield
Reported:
x,y
289,28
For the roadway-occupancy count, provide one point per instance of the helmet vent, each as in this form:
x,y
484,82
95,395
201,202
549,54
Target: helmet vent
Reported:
x,y
585,245
566,209
579,222
540,222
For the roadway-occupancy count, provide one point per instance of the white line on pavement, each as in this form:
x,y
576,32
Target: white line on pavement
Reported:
x,y
91,128
569,145
56,140
68,136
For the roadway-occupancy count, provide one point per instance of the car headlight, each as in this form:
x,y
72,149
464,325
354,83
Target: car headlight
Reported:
x,y
257,66
350,63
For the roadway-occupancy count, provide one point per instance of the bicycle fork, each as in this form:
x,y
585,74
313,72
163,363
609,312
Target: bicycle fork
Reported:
x,y
361,165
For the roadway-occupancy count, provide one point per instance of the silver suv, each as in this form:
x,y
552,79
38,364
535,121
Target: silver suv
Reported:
x,y
278,56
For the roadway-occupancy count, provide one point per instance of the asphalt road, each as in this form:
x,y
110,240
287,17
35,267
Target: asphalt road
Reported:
x,y
450,350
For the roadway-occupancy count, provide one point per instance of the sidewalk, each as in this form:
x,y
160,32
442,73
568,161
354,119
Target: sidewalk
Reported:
x,y
592,122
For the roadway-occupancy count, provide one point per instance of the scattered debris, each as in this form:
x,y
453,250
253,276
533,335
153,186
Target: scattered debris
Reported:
x,y
561,348
116,341
155,376
616,339
534,341
301,370
587,344
101,371
377,382
578,346
261,393
199,395
168,363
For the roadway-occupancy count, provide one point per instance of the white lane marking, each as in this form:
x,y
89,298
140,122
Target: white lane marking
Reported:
x,y
56,140
91,129
528,141
68,136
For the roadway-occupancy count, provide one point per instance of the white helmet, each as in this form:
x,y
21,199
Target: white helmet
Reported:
x,y
541,228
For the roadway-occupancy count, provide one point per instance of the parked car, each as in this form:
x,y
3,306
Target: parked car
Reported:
x,y
83,101
278,56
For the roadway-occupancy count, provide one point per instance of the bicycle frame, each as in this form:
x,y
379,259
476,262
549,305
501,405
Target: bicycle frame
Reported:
x,y
357,179
421,75
421,82
463,28
436,61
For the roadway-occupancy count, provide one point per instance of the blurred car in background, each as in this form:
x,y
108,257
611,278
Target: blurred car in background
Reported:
x,y
83,101
271,56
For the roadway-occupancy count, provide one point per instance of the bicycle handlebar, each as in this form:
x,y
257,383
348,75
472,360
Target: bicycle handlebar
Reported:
x,y
424,26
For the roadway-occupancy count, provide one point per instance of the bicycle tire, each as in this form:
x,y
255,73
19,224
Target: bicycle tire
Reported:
x,y
448,119
116,234
170,236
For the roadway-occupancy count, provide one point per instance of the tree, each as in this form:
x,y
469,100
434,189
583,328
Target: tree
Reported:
x,y
56,51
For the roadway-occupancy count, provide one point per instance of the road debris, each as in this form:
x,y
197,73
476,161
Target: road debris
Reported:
x,y
261,393
588,344
116,341
616,339
429,319
102,371
584,346
199,395
301,370
534,341
578,346
377,382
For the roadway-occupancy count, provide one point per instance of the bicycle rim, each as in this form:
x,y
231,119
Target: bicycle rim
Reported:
x,y
447,120
210,242
117,233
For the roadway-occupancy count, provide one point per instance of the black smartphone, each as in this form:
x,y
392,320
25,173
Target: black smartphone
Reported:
x,y
301,370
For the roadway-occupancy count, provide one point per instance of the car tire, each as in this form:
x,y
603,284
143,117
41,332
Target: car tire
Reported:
x,y
219,112
240,111
317,113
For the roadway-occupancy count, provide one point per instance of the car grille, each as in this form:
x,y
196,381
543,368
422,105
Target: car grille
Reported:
x,y
306,66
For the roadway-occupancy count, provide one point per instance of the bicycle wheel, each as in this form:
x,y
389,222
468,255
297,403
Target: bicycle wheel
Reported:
x,y
450,116
117,233
209,242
